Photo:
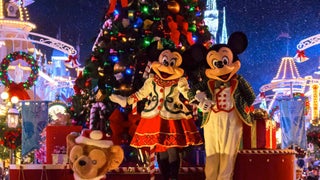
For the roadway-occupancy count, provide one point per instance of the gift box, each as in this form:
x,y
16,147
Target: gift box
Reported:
x,y
271,140
59,158
56,137
254,137
262,133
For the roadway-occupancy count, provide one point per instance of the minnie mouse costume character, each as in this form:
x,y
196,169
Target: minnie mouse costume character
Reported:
x,y
224,110
166,123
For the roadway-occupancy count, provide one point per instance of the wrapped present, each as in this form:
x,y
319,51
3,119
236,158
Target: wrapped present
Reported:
x,y
56,137
271,128
262,133
59,158
254,137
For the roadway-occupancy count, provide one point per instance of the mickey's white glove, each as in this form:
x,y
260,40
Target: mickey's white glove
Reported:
x,y
121,100
204,104
200,96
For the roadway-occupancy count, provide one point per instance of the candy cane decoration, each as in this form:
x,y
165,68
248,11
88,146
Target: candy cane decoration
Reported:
x,y
152,159
93,110
134,108
195,112
147,70
106,24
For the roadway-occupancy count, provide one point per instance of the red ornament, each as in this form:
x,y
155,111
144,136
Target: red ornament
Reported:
x,y
93,59
173,7
87,83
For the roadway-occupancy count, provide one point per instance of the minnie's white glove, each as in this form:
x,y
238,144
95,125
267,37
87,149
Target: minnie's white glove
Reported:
x,y
121,100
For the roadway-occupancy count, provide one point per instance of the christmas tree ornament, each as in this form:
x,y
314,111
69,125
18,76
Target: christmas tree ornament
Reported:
x,y
173,6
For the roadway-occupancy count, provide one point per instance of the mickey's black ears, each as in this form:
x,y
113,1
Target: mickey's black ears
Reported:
x,y
194,57
238,42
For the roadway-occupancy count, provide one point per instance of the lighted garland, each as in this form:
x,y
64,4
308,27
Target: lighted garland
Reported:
x,y
4,77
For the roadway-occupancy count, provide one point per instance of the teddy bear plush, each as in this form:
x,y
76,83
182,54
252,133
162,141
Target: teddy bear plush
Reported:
x,y
92,155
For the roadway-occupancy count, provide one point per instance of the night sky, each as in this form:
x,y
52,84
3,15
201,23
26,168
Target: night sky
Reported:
x,y
261,20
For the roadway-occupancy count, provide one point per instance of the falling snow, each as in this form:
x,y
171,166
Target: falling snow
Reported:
x,y
262,21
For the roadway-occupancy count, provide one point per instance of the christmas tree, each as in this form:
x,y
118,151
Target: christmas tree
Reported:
x,y
130,34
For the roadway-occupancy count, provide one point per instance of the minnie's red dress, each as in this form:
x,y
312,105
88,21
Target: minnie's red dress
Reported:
x,y
165,121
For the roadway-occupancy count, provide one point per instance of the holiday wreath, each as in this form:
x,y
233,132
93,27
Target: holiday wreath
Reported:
x,y
19,87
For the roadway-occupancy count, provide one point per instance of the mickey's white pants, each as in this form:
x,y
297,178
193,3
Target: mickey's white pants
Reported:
x,y
222,135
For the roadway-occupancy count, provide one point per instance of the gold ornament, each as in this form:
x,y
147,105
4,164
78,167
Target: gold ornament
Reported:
x,y
147,24
173,7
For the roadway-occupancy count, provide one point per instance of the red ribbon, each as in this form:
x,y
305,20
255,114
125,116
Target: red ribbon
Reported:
x,y
301,54
183,25
174,32
113,3
177,28
249,109
18,91
72,59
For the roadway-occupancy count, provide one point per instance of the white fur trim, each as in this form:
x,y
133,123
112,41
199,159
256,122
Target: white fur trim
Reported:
x,y
96,135
93,142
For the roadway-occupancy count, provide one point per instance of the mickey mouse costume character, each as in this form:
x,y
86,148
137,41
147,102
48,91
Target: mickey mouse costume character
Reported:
x,y
166,123
224,109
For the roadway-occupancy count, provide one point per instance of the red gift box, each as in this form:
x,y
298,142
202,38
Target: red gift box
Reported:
x,y
56,136
271,128
261,135
254,137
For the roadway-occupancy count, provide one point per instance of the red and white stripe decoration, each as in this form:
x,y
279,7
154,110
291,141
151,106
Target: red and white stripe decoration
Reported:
x,y
195,112
134,108
143,170
267,151
95,106
152,159
147,70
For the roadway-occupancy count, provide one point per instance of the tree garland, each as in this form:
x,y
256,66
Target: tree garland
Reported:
x,y
4,77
